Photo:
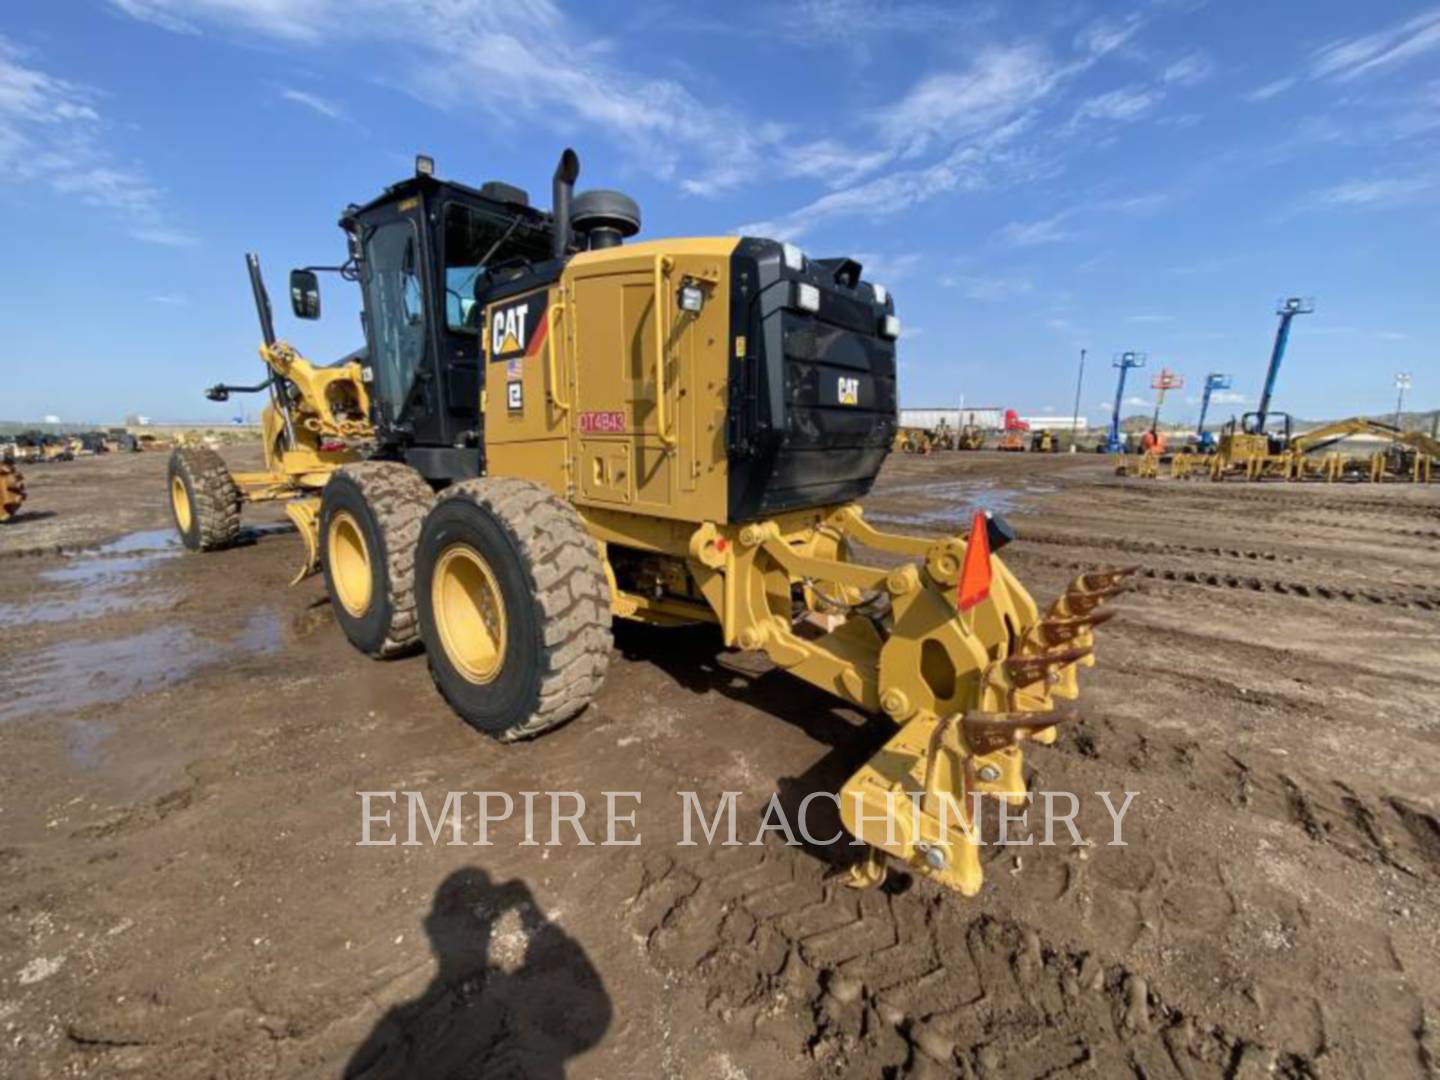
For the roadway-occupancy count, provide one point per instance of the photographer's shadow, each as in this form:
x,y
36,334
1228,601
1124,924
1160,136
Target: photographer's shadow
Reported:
x,y
515,995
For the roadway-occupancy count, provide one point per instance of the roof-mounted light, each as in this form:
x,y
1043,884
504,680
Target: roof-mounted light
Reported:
x,y
890,327
793,257
882,294
807,297
424,165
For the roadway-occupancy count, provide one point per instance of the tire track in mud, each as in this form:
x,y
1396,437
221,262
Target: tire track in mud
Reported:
x,y
1316,521
1155,547
1418,598
871,982
1294,499
1374,829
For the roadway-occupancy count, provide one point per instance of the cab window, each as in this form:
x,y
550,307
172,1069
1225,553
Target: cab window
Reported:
x,y
395,303
475,241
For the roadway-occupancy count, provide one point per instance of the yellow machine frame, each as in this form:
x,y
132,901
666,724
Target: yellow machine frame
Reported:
x,y
967,687
307,434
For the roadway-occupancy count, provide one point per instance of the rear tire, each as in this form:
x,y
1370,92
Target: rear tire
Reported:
x,y
204,499
370,518
514,607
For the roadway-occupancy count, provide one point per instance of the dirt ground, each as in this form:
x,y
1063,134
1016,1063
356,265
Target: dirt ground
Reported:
x,y
182,741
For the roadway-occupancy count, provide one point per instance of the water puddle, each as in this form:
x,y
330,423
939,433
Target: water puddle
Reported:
x,y
100,581
949,506
147,540
75,675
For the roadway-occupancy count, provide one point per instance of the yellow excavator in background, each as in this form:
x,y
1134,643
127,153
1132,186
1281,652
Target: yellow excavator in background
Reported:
x,y
551,428
1410,455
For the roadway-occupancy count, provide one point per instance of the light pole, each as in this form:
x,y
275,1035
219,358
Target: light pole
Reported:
x,y
1402,383
1075,420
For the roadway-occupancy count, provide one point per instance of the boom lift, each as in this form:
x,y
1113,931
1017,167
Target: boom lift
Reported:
x,y
1204,440
1115,443
566,428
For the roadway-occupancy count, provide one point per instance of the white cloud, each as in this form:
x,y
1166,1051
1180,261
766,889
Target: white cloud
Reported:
x,y
988,289
51,133
1104,36
1351,58
1189,70
294,20
1228,397
1379,193
314,102
998,85
1271,89
1030,233
171,299
526,65
1129,103
1139,402
1148,318
969,167
888,269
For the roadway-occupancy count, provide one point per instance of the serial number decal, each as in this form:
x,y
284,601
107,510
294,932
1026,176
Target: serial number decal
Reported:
x,y
603,423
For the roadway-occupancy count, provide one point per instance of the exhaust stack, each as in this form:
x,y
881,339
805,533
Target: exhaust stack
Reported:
x,y
562,191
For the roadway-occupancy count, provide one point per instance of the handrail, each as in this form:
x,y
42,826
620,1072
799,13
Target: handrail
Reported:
x,y
661,335
551,314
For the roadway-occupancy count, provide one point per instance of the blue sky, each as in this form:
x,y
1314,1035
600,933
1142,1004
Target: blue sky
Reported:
x,y
1028,178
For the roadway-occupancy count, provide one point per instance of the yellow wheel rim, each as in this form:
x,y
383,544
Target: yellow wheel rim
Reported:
x,y
180,500
469,613
349,564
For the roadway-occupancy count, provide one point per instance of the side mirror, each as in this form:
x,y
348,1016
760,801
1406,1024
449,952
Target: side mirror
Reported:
x,y
304,294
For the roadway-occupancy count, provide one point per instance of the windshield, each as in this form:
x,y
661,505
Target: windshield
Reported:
x,y
475,239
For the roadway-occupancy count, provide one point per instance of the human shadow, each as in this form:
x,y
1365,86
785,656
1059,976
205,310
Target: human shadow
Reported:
x,y
515,995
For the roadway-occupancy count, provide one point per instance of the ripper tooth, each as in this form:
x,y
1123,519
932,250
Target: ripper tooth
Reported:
x,y
986,732
1056,630
1024,670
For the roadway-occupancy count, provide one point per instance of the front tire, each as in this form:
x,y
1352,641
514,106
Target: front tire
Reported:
x,y
204,499
514,607
370,518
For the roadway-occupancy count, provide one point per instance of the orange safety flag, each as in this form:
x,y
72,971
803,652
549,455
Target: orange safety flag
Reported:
x,y
975,571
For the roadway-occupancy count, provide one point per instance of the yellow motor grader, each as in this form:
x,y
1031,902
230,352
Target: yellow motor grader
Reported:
x,y
12,491
566,429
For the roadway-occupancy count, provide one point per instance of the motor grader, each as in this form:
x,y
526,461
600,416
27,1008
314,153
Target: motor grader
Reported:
x,y
561,428
12,491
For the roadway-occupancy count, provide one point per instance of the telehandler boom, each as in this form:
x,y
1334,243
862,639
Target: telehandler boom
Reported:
x,y
551,428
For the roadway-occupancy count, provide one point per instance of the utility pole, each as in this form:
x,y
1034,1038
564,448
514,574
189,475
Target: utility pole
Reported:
x,y
1124,361
1402,383
1075,420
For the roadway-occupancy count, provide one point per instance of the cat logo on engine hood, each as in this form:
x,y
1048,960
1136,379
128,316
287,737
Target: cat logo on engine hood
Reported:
x,y
517,327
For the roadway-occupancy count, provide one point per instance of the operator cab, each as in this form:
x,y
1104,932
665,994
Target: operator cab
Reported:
x,y
429,254
1252,423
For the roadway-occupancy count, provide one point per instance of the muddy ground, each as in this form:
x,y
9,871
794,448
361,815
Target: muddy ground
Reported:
x,y
182,740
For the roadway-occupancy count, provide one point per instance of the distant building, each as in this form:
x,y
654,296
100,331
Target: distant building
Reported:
x,y
988,417
1056,423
